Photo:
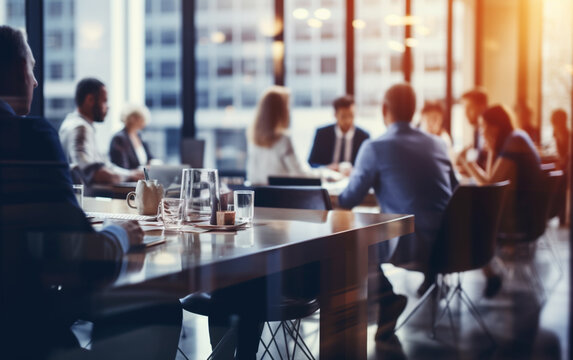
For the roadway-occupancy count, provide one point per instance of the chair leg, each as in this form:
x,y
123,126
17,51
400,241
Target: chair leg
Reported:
x,y
419,304
475,313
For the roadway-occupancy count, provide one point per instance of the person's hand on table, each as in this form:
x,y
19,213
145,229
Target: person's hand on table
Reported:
x,y
136,175
133,230
333,166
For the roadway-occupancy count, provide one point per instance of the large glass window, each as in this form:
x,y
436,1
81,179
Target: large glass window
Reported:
x,y
379,46
557,68
315,65
233,49
13,13
133,47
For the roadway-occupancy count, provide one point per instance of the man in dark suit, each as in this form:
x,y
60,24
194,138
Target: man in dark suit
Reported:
x,y
338,143
53,262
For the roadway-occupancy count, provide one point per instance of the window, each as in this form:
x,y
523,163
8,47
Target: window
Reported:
x,y
56,71
225,67
149,101
248,34
202,5
168,100
168,37
15,9
248,98
167,69
371,64
328,65
54,40
227,35
224,98
327,96
224,4
302,32
202,68
302,99
55,8
148,6
148,37
168,6
249,66
202,99
302,65
148,70
328,31
227,94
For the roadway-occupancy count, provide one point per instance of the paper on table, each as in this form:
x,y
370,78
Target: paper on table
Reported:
x,y
192,229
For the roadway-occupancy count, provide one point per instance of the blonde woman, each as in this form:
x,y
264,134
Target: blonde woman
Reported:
x,y
127,150
270,150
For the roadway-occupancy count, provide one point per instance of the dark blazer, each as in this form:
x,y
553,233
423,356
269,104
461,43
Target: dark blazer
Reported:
x,y
323,148
122,153
45,238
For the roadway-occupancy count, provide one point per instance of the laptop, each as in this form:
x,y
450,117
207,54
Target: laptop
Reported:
x,y
167,175
294,181
192,152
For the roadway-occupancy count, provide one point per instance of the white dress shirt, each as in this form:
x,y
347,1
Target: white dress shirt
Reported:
x,y
347,138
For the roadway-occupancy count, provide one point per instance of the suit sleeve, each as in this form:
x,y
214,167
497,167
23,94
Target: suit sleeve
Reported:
x,y
314,158
118,153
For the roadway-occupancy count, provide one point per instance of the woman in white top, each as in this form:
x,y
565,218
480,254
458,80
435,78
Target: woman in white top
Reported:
x,y
270,150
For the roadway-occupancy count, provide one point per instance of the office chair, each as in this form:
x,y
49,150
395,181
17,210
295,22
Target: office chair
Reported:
x,y
530,231
466,241
298,303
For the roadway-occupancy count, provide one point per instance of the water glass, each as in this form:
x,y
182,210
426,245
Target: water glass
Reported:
x,y
171,213
200,195
79,193
244,205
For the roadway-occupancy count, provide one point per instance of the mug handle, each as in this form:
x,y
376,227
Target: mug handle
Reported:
x,y
130,196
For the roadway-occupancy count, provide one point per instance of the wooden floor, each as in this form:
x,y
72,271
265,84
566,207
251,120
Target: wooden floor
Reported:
x,y
526,321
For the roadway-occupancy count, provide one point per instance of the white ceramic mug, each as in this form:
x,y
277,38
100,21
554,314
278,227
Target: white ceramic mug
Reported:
x,y
147,196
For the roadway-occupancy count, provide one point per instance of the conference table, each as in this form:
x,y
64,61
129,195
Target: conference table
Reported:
x,y
279,239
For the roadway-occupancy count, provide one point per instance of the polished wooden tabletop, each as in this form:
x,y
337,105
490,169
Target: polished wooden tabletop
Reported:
x,y
278,239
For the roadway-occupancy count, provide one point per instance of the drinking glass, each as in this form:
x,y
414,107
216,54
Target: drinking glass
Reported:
x,y
171,213
200,195
244,205
79,193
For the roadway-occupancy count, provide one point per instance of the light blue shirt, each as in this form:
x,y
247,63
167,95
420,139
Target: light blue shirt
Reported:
x,y
411,173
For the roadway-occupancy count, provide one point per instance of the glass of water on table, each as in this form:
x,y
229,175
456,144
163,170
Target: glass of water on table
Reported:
x,y
244,205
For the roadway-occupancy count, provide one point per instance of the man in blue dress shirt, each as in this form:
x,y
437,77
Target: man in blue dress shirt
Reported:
x,y
411,173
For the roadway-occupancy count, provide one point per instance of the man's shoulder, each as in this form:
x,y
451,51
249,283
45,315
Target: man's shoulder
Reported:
x,y
361,132
325,129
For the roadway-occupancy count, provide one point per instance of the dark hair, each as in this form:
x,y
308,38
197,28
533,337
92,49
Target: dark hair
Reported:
x,y
498,116
476,95
401,101
85,87
342,102
433,106
13,50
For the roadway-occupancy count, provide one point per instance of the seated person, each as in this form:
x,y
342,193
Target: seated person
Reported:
x,y
432,121
77,135
35,178
338,143
561,135
270,150
511,155
127,150
411,173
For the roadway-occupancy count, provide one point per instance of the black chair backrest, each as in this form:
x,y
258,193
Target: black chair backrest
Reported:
x,y
557,187
294,181
467,237
293,197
